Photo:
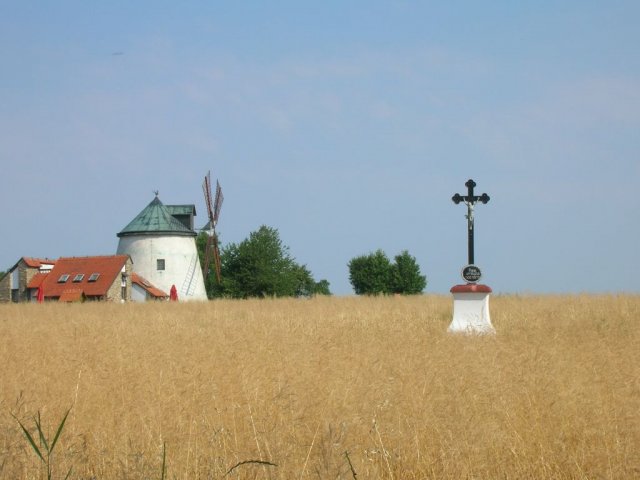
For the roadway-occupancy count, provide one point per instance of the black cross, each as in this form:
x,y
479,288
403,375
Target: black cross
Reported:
x,y
470,200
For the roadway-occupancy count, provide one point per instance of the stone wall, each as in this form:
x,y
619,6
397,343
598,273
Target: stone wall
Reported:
x,y
25,274
22,279
114,294
5,288
28,274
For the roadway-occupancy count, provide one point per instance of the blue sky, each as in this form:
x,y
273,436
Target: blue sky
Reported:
x,y
347,126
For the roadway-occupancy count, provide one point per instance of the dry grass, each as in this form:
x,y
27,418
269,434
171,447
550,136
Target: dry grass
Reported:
x,y
555,394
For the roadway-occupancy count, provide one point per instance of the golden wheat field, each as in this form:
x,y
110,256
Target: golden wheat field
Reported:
x,y
326,388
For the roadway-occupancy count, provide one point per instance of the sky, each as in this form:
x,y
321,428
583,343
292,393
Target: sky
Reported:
x,y
346,125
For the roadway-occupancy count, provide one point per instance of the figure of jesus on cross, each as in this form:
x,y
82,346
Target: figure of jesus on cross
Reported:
x,y
470,200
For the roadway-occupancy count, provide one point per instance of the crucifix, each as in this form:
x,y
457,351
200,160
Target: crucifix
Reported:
x,y
470,200
471,301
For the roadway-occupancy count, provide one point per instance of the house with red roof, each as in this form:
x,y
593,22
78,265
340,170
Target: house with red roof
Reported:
x,y
72,279
75,279
13,286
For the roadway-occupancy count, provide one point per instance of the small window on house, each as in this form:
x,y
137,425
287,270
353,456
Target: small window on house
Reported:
x,y
93,277
160,264
63,278
78,278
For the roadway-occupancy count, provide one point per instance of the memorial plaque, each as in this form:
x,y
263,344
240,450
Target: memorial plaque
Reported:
x,y
471,273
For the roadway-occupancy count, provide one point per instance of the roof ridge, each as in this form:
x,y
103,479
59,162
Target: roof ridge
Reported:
x,y
94,256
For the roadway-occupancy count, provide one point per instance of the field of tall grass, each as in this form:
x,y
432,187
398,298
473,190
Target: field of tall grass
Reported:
x,y
325,388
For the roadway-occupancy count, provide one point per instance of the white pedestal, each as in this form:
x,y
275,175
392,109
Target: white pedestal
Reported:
x,y
471,309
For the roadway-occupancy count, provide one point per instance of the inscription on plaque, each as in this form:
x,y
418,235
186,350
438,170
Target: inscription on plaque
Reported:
x,y
471,273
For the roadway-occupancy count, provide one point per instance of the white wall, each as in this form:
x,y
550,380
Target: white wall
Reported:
x,y
138,294
181,262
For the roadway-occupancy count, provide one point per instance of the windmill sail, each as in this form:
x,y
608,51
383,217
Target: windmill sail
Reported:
x,y
212,251
218,203
206,188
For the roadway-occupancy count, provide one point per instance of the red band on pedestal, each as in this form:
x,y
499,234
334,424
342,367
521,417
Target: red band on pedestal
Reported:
x,y
471,288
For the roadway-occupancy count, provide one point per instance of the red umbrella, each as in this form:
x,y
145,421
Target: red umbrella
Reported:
x,y
173,294
40,296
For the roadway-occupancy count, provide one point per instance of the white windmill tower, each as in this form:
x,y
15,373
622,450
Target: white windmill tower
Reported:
x,y
163,249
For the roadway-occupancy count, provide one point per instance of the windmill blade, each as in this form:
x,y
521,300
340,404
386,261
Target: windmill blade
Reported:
x,y
218,203
212,250
206,188
216,256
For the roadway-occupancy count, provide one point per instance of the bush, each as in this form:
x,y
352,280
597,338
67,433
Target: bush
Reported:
x,y
374,274
405,275
370,274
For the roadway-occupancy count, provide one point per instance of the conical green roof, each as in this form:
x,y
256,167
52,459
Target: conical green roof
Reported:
x,y
155,219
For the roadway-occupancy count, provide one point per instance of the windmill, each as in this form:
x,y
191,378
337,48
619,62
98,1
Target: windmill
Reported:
x,y
213,211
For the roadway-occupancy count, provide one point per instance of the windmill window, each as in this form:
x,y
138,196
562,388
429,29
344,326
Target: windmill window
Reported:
x,y
63,278
93,277
78,278
160,264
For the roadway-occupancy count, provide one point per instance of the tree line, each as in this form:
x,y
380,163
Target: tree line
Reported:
x,y
262,266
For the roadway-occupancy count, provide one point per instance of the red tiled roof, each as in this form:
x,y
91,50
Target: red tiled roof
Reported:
x,y
71,295
37,279
108,268
148,286
37,262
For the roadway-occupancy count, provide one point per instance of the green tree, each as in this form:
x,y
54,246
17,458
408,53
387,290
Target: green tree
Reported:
x,y
370,274
307,287
374,274
405,275
322,288
260,266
